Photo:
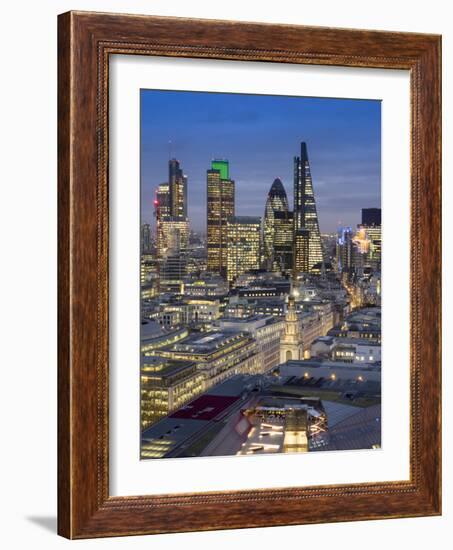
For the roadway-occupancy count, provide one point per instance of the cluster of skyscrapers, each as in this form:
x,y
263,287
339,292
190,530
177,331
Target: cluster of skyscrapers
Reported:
x,y
283,240
260,334
360,248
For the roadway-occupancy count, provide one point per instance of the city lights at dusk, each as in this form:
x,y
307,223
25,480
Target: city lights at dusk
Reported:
x,y
260,274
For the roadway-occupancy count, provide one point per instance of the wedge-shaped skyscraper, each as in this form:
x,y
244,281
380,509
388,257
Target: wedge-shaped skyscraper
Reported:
x,y
305,214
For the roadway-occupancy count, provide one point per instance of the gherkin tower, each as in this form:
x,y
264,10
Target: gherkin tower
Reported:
x,y
277,201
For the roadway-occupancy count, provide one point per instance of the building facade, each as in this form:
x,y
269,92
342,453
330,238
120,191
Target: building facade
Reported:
x,y
301,252
218,355
283,241
177,182
172,273
145,238
173,236
162,201
267,332
243,245
166,385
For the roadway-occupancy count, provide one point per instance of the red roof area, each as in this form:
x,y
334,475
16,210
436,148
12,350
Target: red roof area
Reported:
x,y
206,407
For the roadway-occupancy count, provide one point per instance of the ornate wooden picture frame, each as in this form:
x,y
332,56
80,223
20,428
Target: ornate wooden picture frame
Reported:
x,y
86,41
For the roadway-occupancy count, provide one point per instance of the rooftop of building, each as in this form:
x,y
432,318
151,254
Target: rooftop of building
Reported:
x,y
208,424
154,337
338,331
188,430
149,328
310,301
208,342
213,300
345,341
276,400
164,368
354,390
204,281
262,320
237,385
328,340
319,362
271,302
361,429
366,313
162,437
255,287
277,188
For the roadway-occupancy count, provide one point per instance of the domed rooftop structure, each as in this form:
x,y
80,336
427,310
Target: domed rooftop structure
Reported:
x,y
276,198
277,191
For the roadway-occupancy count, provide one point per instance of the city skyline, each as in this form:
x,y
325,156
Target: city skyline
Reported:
x,y
341,133
260,334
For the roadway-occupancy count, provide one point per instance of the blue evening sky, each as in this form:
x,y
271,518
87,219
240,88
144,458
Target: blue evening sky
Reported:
x,y
260,135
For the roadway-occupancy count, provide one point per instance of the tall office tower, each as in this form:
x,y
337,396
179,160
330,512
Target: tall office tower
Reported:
x,y
361,240
174,236
305,215
161,213
301,251
344,250
374,253
177,182
145,238
173,270
369,232
185,215
172,232
367,247
243,245
220,207
371,216
277,201
223,167
162,201
283,241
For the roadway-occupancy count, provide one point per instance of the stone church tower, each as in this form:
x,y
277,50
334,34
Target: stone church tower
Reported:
x,y
291,344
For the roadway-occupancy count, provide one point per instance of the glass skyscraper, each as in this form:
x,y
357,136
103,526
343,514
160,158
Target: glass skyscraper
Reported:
x,y
146,238
243,245
305,214
220,207
277,201
177,182
170,205
283,241
371,216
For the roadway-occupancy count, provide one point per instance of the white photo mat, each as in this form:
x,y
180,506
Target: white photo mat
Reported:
x,y
128,474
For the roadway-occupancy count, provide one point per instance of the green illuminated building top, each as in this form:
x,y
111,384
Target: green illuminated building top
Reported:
x,y
222,166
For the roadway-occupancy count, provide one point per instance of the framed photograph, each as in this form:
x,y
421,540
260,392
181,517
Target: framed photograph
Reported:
x,y
249,275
